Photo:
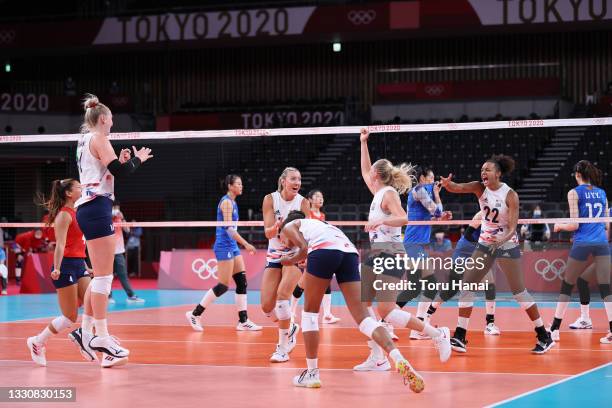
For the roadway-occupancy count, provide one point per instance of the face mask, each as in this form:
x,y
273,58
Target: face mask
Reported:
x,y
537,214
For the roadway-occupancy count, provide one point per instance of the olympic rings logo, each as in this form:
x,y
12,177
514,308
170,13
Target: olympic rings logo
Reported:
x,y
359,17
205,269
434,90
7,36
550,270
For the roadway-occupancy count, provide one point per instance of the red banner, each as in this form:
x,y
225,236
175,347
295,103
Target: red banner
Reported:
x,y
493,89
36,273
314,23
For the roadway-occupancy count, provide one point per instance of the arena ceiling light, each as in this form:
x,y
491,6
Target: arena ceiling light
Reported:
x,y
337,46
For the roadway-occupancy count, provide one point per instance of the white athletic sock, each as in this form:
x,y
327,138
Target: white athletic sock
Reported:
x,y
312,363
372,313
44,335
283,338
101,327
463,322
431,331
422,309
377,351
241,302
538,322
326,303
490,306
436,305
561,308
584,312
208,298
87,324
396,356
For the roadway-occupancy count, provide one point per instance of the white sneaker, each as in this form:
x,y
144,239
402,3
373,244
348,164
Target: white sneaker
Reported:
x,y
81,339
111,301
415,335
554,335
134,299
411,377
279,355
293,332
373,364
194,321
442,343
111,361
109,345
308,379
38,351
389,328
492,330
248,326
4,292
330,319
607,339
581,323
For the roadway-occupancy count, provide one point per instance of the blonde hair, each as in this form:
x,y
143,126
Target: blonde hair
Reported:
x,y
284,175
93,110
399,177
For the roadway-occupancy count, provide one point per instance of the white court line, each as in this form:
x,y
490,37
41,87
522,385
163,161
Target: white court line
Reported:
x,y
278,367
320,344
547,386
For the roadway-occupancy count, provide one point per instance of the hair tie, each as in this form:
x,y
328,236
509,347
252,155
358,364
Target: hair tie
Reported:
x,y
92,104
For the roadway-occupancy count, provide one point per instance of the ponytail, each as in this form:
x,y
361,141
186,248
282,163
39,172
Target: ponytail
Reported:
x,y
589,172
57,198
399,177
93,110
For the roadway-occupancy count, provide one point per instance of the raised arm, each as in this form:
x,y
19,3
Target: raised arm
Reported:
x,y
474,187
366,163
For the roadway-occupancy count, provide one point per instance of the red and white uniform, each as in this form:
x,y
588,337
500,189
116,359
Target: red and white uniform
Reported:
x,y
75,242
95,178
494,223
321,216
321,235
383,233
276,249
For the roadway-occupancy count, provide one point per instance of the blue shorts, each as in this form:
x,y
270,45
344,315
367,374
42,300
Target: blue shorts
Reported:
x,y
325,263
95,218
72,269
415,251
581,250
226,253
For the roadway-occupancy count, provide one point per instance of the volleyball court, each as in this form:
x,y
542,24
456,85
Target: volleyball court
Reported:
x,y
170,361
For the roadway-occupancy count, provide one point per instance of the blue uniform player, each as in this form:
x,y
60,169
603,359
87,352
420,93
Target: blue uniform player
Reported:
x,y
590,239
423,204
229,260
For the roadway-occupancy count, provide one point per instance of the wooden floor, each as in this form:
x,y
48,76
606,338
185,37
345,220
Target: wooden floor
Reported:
x,y
171,365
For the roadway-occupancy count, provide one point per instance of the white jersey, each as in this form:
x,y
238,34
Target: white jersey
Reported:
x,y
94,177
494,223
276,249
383,233
321,235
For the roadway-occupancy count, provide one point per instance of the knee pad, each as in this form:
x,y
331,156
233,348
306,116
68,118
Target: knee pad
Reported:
x,y
241,283
61,323
283,309
297,292
430,293
490,292
3,271
524,299
368,325
219,289
566,288
604,290
102,284
310,322
398,318
584,291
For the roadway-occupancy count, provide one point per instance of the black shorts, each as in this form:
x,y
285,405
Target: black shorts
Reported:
x,y
325,263
95,218
72,269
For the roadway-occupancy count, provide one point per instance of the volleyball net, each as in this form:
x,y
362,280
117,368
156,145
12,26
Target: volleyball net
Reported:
x,y
171,200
